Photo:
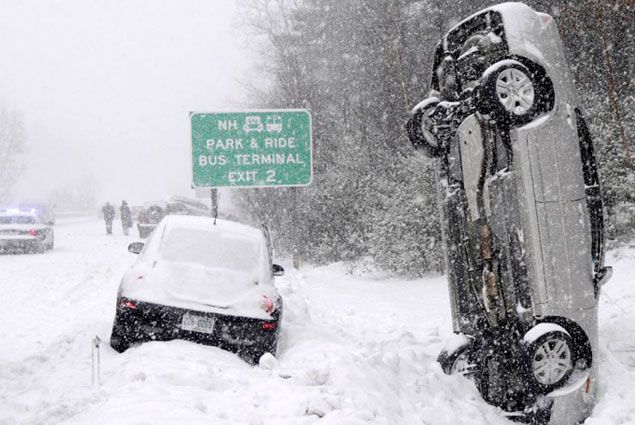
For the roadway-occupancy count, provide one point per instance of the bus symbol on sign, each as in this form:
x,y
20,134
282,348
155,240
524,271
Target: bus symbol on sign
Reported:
x,y
253,123
274,124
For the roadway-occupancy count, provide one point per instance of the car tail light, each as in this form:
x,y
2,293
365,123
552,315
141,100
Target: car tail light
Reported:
x,y
269,326
267,304
128,304
32,232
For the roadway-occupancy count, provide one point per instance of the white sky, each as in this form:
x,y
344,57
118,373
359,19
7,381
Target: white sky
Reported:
x,y
105,87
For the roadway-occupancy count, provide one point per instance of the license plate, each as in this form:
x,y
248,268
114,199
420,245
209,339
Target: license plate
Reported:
x,y
191,322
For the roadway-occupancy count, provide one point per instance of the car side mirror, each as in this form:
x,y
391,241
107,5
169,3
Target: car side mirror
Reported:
x,y
277,270
135,247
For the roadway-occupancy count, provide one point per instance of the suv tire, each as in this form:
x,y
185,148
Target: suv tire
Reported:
x,y
510,92
550,360
418,133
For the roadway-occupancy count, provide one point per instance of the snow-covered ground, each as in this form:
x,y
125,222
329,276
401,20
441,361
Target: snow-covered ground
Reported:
x,y
354,350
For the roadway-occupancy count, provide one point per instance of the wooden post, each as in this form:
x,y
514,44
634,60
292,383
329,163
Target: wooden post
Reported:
x,y
96,362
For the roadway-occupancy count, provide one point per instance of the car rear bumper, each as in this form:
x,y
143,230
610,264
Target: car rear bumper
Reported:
x,y
20,242
138,322
573,403
569,405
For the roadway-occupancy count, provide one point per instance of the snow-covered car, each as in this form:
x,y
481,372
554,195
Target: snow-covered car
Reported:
x,y
149,218
522,213
24,231
151,214
204,280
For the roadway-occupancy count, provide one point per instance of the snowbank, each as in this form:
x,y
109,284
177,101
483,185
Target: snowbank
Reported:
x,y
353,350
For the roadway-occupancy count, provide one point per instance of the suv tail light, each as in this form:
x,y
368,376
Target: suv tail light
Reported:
x,y
32,232
128,304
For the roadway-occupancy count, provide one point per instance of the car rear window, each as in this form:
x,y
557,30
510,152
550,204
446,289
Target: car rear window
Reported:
x,y
20,219
210,249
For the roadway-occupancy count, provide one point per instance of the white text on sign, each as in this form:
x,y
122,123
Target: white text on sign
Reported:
x,y
263,148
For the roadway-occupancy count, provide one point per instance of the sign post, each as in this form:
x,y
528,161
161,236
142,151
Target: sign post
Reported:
x,y
270,148
214,203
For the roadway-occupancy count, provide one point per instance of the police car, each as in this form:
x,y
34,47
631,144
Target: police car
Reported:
x,y
24,230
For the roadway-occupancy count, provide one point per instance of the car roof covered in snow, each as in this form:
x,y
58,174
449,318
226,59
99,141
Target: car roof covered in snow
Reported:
x,y
208,224
197,240
18,213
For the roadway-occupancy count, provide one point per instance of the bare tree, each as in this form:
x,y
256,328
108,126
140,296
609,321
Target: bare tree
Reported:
x,y
12,145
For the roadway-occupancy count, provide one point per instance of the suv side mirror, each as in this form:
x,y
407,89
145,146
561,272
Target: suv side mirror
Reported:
x,y
135,247
601,277
277,270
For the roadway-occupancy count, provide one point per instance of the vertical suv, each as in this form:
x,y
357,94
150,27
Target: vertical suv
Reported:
x,y
520,199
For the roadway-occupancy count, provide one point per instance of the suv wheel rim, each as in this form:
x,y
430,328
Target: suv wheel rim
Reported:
x,y
515,91
551,361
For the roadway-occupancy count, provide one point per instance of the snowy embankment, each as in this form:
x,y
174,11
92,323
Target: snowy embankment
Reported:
x,y
354,350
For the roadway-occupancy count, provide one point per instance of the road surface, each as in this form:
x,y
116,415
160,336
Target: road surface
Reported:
x,y
355,349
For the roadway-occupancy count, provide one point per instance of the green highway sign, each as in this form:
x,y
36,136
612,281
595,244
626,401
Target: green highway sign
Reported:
x,y
251,149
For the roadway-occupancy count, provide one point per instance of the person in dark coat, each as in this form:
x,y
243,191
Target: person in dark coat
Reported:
x,y
109,214
126,217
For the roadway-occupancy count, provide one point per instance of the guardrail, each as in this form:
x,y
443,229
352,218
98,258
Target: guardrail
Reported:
x,y
74,214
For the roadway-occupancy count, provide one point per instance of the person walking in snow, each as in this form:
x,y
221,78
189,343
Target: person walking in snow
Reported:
x,y
109,214
126,217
